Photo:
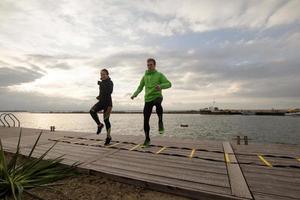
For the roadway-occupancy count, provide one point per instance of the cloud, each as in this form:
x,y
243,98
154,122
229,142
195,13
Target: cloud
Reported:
x,y
236,51
33,101
201,16
17,75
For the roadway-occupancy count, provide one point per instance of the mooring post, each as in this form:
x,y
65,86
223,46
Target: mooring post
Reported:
x,y
246,140
238,140
52,128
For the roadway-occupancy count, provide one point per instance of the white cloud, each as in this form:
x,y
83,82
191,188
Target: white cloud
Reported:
x,y
201,15
288,13
68,42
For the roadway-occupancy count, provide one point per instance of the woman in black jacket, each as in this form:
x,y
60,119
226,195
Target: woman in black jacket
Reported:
x,y
104,103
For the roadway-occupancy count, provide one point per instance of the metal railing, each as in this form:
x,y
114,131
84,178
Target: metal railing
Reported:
x,y
9,123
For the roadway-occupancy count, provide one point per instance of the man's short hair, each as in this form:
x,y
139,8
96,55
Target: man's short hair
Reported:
x,y
105,70
151,59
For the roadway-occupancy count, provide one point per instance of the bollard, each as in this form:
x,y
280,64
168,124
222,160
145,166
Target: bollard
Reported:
x,y
246,140
52,128
238,140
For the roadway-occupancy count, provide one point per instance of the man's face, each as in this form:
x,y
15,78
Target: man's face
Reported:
x,y
151,65
103,75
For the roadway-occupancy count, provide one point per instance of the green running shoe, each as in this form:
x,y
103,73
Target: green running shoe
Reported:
x,y
161,128
146,143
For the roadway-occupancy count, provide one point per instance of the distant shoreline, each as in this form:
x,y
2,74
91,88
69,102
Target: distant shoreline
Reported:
x,y
116,112
275,112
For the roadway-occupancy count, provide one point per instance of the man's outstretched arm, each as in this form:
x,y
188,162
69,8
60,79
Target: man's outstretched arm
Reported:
x,y
139,89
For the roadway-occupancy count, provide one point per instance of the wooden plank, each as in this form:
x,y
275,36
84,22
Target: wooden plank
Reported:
x,y
189,143
204,167
272,181
263,196
284,172
210,155
237,181
283,162
220,166
166,171
169,181
273,187
151,182
289,182
271,160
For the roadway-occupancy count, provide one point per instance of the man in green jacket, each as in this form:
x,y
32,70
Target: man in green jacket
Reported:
x,y
154,82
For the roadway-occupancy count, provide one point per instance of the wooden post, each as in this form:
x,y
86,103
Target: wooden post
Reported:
x,y
246,140
52,128
238,140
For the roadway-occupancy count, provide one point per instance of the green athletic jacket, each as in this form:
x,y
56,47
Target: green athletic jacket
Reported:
x,y
150,80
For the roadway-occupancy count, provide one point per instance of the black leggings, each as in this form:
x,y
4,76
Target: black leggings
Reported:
x,y
148,111
106,113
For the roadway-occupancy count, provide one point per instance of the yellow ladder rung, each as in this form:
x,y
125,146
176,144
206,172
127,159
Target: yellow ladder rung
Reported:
x,y
94,143
133,148
264,161
227,158
192,153
163,148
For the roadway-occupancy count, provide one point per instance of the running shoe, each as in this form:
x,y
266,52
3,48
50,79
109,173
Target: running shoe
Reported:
x,y
107,141
161,128
146,143
100,126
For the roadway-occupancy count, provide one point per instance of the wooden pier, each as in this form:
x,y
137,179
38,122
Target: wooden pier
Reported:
x,y
199,169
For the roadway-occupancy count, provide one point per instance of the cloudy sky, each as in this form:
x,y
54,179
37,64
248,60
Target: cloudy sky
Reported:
x,y
242,54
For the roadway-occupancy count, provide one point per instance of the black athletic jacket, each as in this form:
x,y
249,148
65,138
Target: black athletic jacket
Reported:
x,y
105,91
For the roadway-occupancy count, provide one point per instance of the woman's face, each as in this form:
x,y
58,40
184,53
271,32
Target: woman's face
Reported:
x,y
103,75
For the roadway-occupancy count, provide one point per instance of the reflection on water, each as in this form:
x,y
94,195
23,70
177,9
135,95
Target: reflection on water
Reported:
x,y
275,129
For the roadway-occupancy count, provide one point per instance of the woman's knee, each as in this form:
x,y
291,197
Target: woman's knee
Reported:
x,y
107,122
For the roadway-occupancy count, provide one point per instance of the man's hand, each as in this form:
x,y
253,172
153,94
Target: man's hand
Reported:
x,y
98,98
158,88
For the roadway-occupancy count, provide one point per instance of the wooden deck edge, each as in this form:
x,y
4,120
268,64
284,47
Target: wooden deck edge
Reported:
x,y
162,187
238,184
185,192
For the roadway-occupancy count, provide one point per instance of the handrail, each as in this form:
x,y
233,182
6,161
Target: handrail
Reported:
x,y
13,118
4,125
10,118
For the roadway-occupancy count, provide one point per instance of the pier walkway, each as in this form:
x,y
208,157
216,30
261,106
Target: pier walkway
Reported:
x,y
199,169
